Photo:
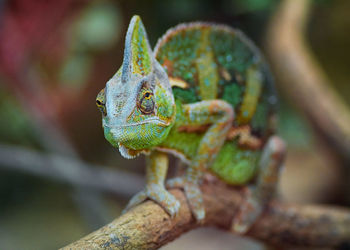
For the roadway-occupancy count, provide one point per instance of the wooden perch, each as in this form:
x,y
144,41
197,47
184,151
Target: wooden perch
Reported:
x,y
147,226
302,78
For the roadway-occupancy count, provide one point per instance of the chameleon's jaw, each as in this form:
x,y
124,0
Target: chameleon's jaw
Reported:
x,y
154,121
137,136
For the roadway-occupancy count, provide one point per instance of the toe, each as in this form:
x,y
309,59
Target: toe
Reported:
x,y
173,208
195,200
165,199
247,214
135,200
193,195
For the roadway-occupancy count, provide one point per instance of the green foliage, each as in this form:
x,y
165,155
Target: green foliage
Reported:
x,y
75,71
97,27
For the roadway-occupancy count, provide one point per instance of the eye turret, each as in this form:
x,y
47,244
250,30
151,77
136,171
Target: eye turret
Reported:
x,y
146,101
101,102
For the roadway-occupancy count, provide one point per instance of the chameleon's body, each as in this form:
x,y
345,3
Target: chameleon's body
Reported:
x,y
206,62
206,96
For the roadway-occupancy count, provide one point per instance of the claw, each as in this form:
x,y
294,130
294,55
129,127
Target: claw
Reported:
x,y
193,195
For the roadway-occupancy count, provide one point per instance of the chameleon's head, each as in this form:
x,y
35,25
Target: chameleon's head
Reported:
x,y
137,104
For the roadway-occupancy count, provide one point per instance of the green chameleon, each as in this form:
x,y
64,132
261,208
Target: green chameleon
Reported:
x,y
205,95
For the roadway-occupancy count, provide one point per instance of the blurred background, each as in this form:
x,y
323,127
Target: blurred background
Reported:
x,y
60,179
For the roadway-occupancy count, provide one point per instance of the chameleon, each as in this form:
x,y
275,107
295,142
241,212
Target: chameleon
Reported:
x,y
204,94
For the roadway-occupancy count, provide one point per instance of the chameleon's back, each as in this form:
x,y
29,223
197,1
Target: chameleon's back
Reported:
x,y
206,62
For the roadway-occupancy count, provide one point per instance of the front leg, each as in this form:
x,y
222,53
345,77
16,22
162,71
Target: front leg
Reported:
x,y
157,166
219,115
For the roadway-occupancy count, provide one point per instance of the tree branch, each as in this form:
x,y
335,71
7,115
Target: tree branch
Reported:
x,y
147,226
81,173
302,78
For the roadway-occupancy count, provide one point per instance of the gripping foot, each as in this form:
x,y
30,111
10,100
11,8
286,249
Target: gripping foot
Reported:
x,y
158,194
193,195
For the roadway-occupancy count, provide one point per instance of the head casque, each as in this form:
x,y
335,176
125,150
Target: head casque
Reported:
x,y
137,103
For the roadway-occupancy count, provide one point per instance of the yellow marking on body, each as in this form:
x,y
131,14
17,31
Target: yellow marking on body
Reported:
x,y
177,82
251,96
208,75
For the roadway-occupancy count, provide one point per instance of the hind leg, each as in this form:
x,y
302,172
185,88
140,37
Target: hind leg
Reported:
x,y
258,195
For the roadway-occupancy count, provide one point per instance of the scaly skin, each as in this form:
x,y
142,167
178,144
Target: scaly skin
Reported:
x,y
205,95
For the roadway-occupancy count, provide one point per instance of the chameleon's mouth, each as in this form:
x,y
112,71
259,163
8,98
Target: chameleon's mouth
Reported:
x,y
136,135
151,120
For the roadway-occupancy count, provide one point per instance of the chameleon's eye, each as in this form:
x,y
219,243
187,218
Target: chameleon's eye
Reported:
x,y
101,102
146,101
147,95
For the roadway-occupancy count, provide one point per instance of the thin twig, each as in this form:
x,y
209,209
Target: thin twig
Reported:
x,y
302,78
81,173
147,226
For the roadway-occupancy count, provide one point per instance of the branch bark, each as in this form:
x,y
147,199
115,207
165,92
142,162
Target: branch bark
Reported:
x,y
302,78
147,226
